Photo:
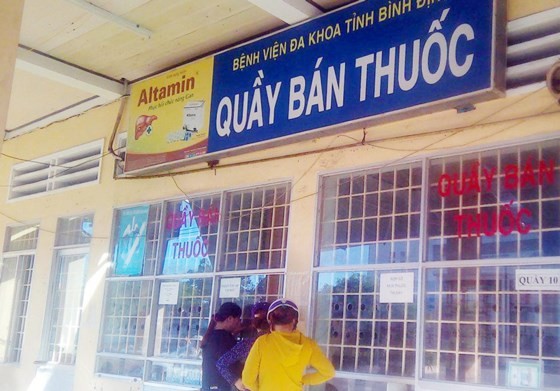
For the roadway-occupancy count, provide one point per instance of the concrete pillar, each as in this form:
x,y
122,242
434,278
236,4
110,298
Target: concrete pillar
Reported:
x,y
10,23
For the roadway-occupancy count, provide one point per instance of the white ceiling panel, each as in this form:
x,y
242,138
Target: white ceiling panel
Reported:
x,y
92,41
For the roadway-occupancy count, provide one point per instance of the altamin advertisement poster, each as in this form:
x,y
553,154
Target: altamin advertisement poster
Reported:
x,y
371,62
169,116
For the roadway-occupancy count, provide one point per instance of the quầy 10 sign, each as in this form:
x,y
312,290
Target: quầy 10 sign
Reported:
x,y
537,279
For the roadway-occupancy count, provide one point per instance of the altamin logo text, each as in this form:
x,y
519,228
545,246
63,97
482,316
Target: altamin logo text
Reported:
x,y
155,93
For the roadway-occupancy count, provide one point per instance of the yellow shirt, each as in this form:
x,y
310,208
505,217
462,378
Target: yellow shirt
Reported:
x,y
278,361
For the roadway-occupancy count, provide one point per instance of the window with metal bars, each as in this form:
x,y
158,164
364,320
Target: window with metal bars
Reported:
x,y
370,217
478,322
360,332
488,242
68,280
369,221
495,204
16,270
255,229
188,250
495,208
124,338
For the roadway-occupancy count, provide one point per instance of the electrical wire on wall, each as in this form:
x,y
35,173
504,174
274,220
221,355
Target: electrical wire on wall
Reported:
x,y
376,144
122,104
447,134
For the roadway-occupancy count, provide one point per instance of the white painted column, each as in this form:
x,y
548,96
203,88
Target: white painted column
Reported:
x,y
10,23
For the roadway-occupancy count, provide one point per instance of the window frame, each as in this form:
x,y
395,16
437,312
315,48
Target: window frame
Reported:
x,y
425,265
23,250
66,246
377,267
20,302
154,365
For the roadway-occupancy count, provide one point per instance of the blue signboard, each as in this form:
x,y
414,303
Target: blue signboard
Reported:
x,y
366,62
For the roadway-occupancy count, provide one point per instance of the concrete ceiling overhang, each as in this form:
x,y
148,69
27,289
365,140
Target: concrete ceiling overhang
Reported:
x,y
78,54
92,89
290,11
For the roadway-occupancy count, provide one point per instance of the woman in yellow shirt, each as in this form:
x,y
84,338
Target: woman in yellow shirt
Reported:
x,y
280,360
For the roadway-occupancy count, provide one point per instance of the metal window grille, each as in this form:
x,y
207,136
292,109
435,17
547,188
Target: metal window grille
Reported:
x,y
162,344
495,204
182,325
368,220
255,288
127,313
255,228
358,331
191,232
125,338
16,270
66,307
153,230
477,322
21,238
371,217
73,231
15,284
68,279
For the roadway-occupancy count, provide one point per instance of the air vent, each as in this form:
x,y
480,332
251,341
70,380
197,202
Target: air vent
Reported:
x,y
533,46
69,168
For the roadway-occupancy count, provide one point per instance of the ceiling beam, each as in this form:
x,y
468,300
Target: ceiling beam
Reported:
x,y
11,16
60,115
290,11
113,18
72,76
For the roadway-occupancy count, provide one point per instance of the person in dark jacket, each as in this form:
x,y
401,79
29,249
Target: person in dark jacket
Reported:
x,y
219,338
232,361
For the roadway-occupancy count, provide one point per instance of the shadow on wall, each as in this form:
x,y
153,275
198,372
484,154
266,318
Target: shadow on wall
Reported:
x,y
53,378
339,384
104,383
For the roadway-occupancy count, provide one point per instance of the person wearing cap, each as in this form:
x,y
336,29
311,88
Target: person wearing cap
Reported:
x,y
280,360
219,338
238,354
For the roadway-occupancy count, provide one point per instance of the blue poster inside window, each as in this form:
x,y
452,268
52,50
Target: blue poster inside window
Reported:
x,y
131,242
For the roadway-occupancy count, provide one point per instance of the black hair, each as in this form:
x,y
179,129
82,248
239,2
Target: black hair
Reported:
x,y
282,316
211,327
259,320
226,310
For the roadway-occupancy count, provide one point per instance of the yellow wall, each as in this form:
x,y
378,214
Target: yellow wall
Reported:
x,y
501,121
532,115
519,8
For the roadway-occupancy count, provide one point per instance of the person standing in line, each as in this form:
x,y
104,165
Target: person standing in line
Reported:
x,y
229,364
279,360
219,338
